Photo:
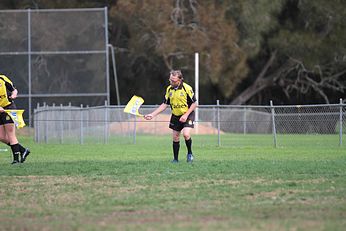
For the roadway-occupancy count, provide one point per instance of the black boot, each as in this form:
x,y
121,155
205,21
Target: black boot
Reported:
x,y
16,158
24,155
16,152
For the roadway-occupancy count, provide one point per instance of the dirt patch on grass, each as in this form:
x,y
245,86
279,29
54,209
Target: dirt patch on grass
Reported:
x,y
159,126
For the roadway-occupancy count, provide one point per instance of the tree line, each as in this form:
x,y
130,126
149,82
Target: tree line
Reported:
x,y
288,51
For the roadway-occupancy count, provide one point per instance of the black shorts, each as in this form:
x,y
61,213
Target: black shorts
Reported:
x,y
176,125
4,117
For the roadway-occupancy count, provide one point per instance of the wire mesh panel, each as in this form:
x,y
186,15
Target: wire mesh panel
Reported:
x,y
68,30
56,56
237,126
13,48
296,125
13,32
68,124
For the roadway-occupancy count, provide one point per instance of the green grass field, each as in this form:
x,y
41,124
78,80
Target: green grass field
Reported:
x,y
135,187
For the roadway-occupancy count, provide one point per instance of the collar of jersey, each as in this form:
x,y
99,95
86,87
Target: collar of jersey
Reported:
x,y
178,87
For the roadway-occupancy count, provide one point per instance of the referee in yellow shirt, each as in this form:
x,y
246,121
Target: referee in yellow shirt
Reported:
x,y
181,98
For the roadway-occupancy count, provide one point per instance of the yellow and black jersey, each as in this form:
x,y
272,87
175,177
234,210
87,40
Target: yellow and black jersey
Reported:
x,y
180,98
6,88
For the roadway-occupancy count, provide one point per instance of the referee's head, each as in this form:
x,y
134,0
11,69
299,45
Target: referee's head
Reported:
x,y
176,73
175,78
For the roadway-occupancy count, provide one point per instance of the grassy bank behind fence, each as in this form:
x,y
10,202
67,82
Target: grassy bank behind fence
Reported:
x,y
135,187
225,140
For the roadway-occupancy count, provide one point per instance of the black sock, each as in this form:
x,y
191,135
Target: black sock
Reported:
x,y
16,151
188,145
176,146
21,148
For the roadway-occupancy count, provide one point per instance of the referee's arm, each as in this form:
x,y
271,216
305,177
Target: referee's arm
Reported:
x,y
158,110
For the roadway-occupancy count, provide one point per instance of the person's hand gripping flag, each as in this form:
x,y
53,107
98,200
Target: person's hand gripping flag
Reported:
x,y
133,105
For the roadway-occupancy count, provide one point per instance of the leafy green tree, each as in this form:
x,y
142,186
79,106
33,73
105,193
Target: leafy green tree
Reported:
x,y
292,51
174,32
305,55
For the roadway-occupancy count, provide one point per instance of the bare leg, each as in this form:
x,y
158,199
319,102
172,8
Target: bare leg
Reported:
x,y
187,133
10,131
3,136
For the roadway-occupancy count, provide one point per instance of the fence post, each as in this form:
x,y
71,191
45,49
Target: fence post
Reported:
x,y
62,124
273,121
36,112
69,119
81,124
244,121
340,121
46,123
105,135
218,122
29,44
134,129
87,120
53,122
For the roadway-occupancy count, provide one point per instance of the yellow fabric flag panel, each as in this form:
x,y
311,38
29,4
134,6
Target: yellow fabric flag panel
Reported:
x,y
133,105
17,117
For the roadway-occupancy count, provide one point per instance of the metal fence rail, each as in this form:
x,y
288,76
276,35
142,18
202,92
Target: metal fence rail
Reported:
x,y
218,124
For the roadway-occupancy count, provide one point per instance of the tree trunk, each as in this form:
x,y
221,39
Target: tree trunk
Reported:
x,y
259,84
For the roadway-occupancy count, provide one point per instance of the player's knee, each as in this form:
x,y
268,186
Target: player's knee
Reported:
x,y
175,137
186,136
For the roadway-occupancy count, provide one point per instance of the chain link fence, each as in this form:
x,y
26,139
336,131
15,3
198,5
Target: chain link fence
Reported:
x,y
55,55
218,125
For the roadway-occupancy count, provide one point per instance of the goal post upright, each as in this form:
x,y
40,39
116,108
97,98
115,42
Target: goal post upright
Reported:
x,y
197,88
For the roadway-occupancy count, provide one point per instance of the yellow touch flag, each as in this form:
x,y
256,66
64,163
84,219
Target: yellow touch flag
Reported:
x,y
17,117
133,105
